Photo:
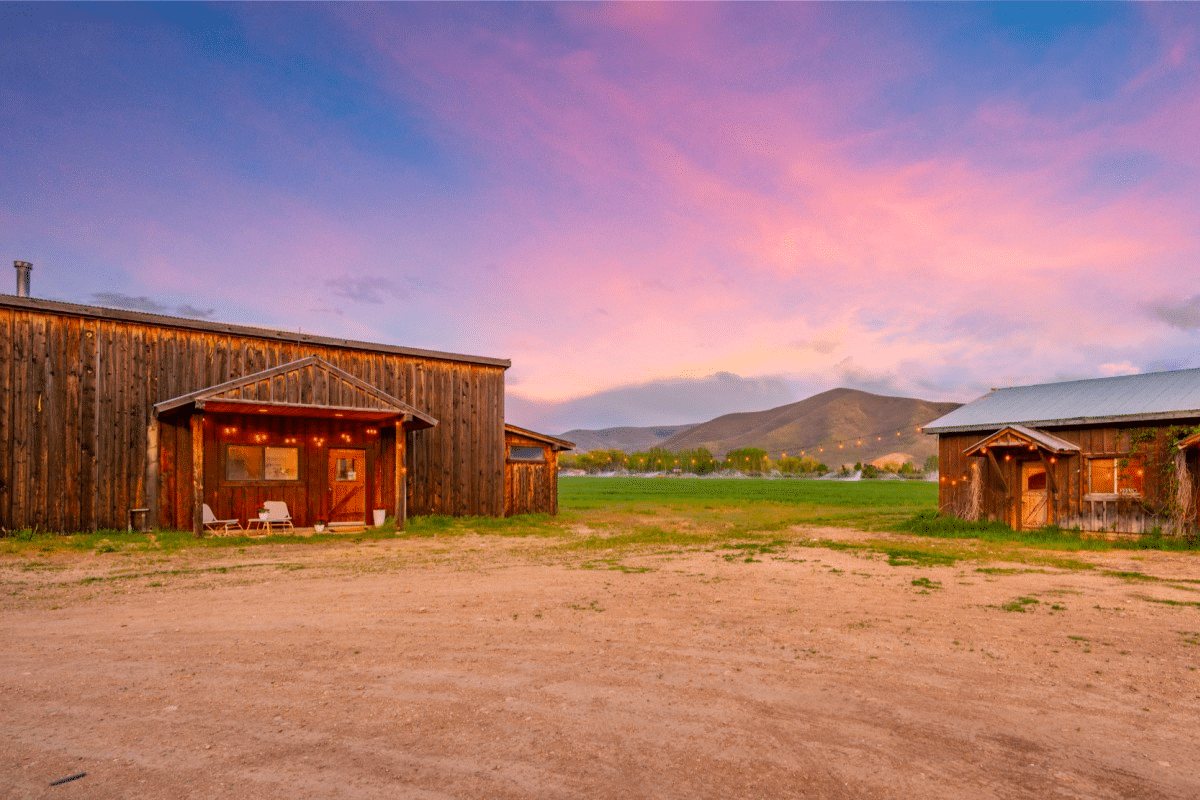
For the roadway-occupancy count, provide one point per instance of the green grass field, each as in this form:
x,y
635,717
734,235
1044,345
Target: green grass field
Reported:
x,y
722,514
749,503
586,492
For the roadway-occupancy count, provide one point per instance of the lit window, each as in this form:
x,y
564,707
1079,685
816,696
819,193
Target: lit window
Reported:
x,y
255,463
1117,476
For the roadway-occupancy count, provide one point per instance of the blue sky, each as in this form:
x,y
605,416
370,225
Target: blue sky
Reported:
x,y
660,213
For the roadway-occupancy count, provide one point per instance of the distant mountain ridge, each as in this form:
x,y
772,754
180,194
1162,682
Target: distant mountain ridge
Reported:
x,y
627,439
840,426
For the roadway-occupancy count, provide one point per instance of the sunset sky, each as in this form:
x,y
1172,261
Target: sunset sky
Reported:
x,y
660,213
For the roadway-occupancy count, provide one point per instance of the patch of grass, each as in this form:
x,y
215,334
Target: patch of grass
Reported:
x,y
747,550
926,583
647,535
1021,604
1130,576
1166,602
592,605
1059,562
614,565
1141,576
907,557
897,556
1010,571
931,523
191,571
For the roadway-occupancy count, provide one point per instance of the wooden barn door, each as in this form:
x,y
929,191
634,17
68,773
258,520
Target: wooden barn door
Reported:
x,y
1033,495
348,485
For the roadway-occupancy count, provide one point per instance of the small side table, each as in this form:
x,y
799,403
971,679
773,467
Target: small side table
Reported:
x,y
144,512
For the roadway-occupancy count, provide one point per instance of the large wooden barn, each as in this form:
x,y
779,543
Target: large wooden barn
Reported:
x,y
106,412
1111,454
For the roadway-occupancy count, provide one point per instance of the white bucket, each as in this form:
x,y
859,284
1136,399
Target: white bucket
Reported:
x,y
380,515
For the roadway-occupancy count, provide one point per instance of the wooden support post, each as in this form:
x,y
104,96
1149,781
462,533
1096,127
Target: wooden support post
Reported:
x,y
999,472
401,492
152,468
198,475
1008,497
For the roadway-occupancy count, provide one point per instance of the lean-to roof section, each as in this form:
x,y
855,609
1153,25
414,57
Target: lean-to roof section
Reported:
x,y
555,442
1124,398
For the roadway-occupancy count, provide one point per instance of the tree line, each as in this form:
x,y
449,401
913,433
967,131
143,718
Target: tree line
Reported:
x,y
748,460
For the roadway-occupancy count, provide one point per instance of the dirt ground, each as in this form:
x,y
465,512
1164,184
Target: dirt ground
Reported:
x,y
487,667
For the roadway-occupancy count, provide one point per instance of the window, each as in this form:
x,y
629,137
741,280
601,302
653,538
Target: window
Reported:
x,y
1124,476
516,453
257,463
346,469
281,463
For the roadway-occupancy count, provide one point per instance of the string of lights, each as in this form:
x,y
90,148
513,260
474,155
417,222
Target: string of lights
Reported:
x,y
834,445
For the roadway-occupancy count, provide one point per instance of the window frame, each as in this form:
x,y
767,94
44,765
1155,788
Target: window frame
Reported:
x,y
262,462
541,454
1128,480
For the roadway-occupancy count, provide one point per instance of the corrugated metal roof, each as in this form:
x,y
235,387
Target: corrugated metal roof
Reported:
x,y
1125,398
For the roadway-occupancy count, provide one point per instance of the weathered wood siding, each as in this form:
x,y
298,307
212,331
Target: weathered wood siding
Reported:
x,y
77,390
1071,505
530,487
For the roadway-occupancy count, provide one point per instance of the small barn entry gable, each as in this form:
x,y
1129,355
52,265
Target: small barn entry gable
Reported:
x,y
281,434
1023,465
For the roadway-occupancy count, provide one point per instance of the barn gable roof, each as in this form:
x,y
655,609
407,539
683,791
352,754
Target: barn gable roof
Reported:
x,y
307,387
1125,398
1021,436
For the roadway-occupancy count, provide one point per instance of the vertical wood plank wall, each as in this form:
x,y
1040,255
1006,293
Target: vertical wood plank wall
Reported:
x,y
77,392
530,487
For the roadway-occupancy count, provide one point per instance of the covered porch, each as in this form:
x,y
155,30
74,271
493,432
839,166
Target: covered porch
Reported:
x,y
329,445
1020,476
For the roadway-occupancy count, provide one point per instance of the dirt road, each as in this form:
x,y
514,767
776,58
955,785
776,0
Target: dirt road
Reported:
x,y
483,667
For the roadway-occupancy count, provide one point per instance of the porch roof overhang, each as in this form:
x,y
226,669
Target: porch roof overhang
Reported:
x,y
1189,441
275,392
303,410
1019,436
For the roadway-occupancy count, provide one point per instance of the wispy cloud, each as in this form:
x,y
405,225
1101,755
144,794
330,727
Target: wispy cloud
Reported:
x,y
1183,314
144,303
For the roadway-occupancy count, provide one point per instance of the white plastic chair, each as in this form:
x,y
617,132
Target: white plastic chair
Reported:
x,y
211,523
277,514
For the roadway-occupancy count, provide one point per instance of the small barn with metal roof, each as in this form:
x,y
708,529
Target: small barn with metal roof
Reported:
x,y
1114,454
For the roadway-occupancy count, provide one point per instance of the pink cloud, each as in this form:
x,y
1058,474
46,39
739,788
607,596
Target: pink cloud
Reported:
x,y
733,196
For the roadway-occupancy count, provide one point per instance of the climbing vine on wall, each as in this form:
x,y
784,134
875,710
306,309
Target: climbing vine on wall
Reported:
x,y
1157,449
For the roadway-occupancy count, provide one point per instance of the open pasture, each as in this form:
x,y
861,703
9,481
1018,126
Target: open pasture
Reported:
x,y
647,645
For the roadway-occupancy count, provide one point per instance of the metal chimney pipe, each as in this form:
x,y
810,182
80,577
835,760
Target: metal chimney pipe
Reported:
x,y
23,268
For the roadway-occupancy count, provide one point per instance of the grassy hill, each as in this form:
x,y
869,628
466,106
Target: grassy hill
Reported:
x,y
836,427
628,439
